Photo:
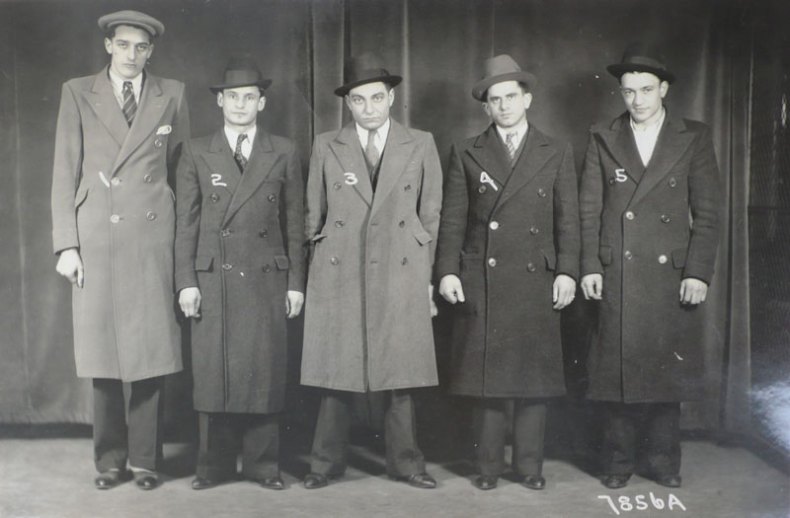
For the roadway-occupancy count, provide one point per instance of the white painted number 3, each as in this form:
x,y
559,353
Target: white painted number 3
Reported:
x,y
216,179
351,178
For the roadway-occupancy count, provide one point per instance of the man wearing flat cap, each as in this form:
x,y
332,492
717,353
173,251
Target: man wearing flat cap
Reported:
x,y
649,208
239,273
372,215
118,135
507,260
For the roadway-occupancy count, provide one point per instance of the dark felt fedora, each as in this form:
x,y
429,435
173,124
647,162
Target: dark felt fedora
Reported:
x,y
241,71
133,18
363,69
642,57
501,68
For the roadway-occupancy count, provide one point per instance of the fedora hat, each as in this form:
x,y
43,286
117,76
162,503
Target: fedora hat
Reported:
x,y
241,71
363,69
501,68
134,18
641,57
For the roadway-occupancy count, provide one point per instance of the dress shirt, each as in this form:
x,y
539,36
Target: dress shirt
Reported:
x,y
520,131
246,146
117,87
379,140
647,136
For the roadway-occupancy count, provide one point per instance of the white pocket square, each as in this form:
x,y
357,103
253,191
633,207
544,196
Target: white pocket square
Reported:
x,y
164,130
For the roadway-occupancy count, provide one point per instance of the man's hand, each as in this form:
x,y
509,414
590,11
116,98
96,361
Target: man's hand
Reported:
x,y
450,288
293,303
592,286
564,291
70,266
189,300
693,291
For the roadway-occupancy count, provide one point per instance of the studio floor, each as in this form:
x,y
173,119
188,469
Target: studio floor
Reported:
x,y
52,477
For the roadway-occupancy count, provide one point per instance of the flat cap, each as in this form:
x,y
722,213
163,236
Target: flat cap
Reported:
x,y
133,18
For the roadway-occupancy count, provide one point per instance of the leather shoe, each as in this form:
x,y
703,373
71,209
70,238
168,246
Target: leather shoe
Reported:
x,y
420,480
146,480
108,479
315,481
485,482
534,482
203,483
272,483
669,480
615,481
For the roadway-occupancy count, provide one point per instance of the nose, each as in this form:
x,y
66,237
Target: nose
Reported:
x,y
131,53
368,107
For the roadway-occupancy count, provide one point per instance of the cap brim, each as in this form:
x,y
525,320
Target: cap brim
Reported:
x,y
479,90
391,80
263,84
618,69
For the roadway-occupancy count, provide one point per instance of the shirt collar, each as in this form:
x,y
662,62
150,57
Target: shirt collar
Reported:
x,y
653,127
118,81
520,131
233,135
381,134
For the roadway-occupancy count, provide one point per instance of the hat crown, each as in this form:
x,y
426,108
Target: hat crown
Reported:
x,y
500,65
365,66
241,70
643,54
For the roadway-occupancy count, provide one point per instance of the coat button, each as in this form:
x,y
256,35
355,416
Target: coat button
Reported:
x,y
214,197
147,178
227,267
267,268
407,187
673,182
158,143
530,267
271,197
491,262
225,232
629,215
628,255
534,231
115,218
116,181
402,224
339,223
150,215
542,192
665,218
337,186
334,260
493,225
404,261
263,233
662,259
481,189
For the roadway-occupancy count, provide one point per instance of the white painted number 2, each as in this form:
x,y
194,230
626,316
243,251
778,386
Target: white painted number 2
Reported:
x,y
351,178
216,179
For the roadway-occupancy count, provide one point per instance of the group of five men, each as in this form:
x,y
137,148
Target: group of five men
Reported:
x,y
506,232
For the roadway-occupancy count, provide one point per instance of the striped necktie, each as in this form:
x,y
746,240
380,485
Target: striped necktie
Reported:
x,y
238,155
371,151
510,143
129,104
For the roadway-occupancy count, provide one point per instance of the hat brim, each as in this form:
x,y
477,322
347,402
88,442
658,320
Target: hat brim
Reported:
x,y
262,84
618,69
482,86
391,80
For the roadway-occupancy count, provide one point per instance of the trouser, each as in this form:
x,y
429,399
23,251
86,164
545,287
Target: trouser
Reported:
x,y
330,443
223,435
529,424
647,430
114,438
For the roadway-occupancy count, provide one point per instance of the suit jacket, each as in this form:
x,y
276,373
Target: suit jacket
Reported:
x,y
367,315
507,239
645,229
111,200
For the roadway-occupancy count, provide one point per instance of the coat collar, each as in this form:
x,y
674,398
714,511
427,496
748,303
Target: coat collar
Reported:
x,y
348,152
394,161
105,106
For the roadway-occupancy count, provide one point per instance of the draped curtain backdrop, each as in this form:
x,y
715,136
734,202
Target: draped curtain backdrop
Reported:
x,y
438,46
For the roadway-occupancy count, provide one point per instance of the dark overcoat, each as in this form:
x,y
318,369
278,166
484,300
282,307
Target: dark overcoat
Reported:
x,y
507,242
646,229
239,239
111,200
367,315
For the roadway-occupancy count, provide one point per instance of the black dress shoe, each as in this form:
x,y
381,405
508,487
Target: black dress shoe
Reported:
x,y
419,480
669,480
203,483
534,482
273,483
108,479
485,482
315,481
146,480
615,481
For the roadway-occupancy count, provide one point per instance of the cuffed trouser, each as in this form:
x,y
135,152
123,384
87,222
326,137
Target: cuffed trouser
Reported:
x,y
115,441
529,424
223,435
647,430
330,442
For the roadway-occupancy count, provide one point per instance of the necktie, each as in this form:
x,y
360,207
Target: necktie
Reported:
x,y
129,104
371,151
238,155
510,143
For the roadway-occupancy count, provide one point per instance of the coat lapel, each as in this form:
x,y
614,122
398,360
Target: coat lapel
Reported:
x,y
534,156
105,106
619,140
394,161
348,152
487,151
258,168
223,170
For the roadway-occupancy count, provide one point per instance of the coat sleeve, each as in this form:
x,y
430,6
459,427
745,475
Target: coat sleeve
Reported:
x,y
315,198
566,217
455,208
705,205
188,202
66,173
180,134
430,203
294,220
591,208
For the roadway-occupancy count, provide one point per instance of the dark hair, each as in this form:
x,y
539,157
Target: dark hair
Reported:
x,y
524,88
110,33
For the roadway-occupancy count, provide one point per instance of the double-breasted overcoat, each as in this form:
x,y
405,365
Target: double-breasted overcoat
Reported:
x,y
367,312
240,241
506,235
645,229
111,200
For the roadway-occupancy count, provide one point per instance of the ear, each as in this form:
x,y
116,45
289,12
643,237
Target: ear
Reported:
x,y
391,96
108,45
261,103
220,99
486,109
347,99
527,100
663,88
150,50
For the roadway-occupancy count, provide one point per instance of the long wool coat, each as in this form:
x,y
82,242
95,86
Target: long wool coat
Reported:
x,y
507,242
111,200
367,315
239,239
646,229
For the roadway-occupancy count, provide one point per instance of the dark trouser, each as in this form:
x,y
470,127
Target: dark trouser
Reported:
x,y
113,440
651,430
223,435
330,442
529,423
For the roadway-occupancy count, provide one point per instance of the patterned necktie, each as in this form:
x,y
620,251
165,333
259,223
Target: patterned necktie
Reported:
x,y
371,151
129,104
238,155
510,143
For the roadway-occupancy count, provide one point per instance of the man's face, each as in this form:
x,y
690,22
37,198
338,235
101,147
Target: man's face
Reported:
x,y
240,106
370,104
130,49
507,104
643,94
